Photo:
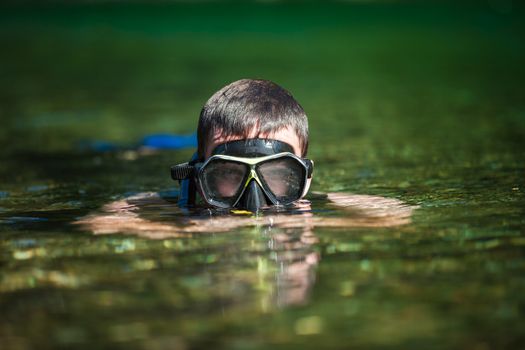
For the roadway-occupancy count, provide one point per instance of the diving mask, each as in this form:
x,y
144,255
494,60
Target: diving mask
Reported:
x,y
249,174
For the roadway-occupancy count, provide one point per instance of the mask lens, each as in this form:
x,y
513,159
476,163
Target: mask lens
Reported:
x,y
222,180
284,177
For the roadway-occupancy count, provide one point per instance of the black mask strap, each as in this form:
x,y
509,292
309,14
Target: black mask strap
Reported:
x,y
252,148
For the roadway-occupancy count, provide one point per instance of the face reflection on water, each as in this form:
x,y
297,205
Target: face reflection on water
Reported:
x,y
288,266
286,255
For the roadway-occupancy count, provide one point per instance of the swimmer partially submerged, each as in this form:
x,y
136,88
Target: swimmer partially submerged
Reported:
x,y
252,143
251,170
251,157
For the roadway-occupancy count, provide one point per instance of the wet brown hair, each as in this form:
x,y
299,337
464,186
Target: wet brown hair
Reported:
x,y
246,105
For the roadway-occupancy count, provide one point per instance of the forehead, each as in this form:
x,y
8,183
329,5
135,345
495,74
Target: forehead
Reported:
x,y
284,135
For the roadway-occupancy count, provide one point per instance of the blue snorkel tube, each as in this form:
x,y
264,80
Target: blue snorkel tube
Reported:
x,y
155,141
169,141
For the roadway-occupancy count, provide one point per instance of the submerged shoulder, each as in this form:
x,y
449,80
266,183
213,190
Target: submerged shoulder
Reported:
x,y
344,199
136,201
371,206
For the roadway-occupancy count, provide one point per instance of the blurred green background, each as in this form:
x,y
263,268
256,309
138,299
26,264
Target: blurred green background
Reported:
x,y
421,101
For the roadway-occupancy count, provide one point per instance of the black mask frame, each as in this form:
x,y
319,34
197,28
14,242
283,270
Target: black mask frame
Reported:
x,y
251,153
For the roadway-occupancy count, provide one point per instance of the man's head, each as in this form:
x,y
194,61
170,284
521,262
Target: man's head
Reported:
x,y
247,109
252,135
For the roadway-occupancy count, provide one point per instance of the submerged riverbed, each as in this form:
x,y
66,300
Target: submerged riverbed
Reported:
x,y
419,103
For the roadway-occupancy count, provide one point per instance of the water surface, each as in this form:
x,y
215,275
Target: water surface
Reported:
x,y
419,103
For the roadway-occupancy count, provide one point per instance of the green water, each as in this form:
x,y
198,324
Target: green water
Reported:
x,y
416,102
